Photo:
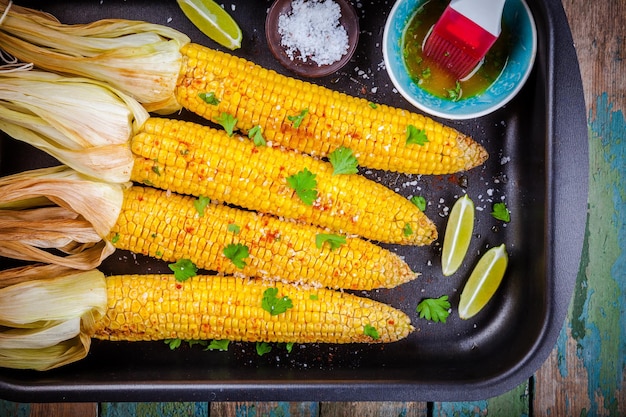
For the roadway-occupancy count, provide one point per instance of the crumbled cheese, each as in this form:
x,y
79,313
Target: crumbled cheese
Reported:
x,y
312,31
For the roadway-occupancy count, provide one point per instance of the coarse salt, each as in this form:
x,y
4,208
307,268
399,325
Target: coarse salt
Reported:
x,y
312,31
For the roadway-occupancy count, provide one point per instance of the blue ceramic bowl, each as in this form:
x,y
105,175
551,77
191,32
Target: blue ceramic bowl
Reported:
x,y
515,73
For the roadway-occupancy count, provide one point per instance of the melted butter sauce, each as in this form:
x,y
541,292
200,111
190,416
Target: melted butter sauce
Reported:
x,y
437,81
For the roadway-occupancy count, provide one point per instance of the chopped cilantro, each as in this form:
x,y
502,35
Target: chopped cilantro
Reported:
x,y
426,73
333,240
304,184
455,93
256,136
435,309
233,228
115,238
262,348
415,136
196,342
289,346
183,269
273,304
419,201
237,253
156,170
371,331
221,345
343,161
313,297
200,204
228,122
173,343
373,105
408,231
297,119
209,98
501,212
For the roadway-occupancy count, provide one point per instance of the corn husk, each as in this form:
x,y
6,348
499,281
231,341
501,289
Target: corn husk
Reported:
x,y
60,209
85,124
47,321
139,58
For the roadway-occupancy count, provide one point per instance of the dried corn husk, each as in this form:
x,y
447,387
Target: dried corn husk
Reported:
x,y
45,322
58,208
139,58
85,124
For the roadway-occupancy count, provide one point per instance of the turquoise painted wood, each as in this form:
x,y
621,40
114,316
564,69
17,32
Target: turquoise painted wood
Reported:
x,y
154,409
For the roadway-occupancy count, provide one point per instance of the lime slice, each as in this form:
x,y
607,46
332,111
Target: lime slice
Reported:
x,y
213,21
483,282
458,235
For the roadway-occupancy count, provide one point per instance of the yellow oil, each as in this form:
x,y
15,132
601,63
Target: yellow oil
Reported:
x,y
436,80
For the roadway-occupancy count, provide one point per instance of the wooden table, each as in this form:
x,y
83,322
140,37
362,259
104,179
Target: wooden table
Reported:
x,y
586,373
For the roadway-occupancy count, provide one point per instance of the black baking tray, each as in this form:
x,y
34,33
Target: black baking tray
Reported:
x,y
538,165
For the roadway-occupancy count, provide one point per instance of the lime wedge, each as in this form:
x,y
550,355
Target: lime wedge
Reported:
x,y
458,235
213,21
483,282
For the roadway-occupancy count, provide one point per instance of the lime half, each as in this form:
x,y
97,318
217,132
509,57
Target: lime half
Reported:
x,y
483,282
458,235
213,21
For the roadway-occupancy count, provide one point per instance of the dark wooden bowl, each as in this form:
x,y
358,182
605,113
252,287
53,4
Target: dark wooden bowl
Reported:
x,y
309,68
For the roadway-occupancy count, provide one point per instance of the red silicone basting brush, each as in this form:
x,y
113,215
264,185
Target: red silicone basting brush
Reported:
x,y
463,34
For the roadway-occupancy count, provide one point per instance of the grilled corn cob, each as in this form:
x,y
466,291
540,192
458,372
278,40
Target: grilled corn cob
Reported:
x,y
159,67
191,159
50,313
157,307
167,226
377,134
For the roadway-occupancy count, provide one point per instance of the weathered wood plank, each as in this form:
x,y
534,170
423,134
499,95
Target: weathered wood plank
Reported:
x,y
373,409
154,409
585,374
64,410
263,409
515,403
13,409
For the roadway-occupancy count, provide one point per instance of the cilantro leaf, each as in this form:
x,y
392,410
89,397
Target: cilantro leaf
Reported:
x,y
221,345
415,136
455,93
371,331
334,241
408,231
435,309
343,161
228,122
237,253
234,228
209,98
200,204
304,184
256,136
289,346
183,269
262,348
115,238
196,342
297,119
274,305
419,201
156,170
173,343
501,212
373,105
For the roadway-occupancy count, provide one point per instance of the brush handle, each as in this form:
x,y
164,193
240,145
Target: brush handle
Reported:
x,y
485,13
